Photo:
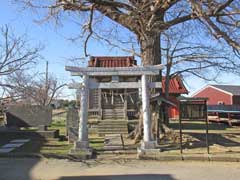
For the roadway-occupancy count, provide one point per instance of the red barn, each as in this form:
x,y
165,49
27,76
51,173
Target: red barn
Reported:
x,y
220,94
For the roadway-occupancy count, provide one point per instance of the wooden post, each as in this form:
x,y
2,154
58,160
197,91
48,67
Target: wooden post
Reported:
x,y
82,142
180,127
125,105
206,120
229,119
100,104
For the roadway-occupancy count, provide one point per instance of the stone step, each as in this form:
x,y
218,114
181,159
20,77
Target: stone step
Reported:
x,y
115,130
113,109
112,127
114,123
112,117
105,133
113,114
113,120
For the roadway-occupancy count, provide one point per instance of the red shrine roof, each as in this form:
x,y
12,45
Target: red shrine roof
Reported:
x,y
112,61
176,85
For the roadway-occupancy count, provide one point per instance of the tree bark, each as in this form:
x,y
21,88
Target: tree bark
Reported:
x,y
150,49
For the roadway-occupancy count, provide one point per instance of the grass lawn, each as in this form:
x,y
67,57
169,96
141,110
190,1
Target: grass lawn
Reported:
x,y
55,146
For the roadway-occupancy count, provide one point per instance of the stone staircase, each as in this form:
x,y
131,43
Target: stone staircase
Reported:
x,y
114,126
112,114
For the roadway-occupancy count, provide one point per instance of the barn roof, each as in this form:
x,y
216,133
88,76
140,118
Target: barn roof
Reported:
x,y
233,89
176,85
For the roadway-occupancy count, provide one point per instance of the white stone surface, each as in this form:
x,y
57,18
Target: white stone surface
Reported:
x,y
6,150
114,71
12,145
20,141
146,110
83,114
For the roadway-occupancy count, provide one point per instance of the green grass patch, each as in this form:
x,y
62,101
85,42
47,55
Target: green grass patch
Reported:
x,y
44,146
59,122
96,143
56,147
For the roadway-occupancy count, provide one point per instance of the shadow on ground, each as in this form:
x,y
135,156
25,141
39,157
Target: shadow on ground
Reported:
x,y
198,125
122,177
17,169
219,134
215,139
11,166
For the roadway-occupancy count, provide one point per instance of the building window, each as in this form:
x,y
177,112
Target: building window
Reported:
x,y
220,103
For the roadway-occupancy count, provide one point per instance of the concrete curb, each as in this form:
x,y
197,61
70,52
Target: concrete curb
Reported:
x,y
192,157
21,155
157,157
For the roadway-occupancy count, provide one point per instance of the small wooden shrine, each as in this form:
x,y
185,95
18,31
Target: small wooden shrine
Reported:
x,y
120,101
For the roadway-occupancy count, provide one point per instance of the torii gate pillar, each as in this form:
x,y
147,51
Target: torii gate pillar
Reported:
x,y
147,142
82,143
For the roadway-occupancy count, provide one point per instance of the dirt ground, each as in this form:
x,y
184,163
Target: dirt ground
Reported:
x,y
52,169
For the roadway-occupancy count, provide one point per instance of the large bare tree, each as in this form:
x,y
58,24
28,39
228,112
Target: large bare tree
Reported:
x,y
148,19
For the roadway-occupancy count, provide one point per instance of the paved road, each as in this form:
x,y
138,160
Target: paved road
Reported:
x,y
45,169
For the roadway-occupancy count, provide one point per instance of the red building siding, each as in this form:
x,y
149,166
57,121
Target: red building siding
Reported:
x,y
173,112
215,96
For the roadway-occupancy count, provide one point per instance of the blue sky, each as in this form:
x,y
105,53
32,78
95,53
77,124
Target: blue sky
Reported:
x,y
58,49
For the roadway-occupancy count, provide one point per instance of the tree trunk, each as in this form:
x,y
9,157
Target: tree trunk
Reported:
x,y
150,49
151,55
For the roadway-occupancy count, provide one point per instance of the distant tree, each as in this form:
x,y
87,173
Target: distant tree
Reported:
x,y
72,103
65,103
34,89
16,54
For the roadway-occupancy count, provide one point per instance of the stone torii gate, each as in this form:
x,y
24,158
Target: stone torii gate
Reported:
x,y
144,71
